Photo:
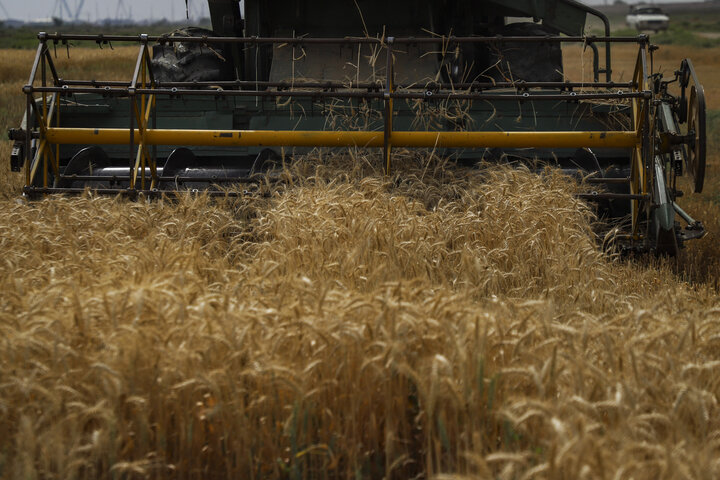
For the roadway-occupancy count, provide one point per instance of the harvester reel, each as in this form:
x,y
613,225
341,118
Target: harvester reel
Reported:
x,y
695,159
223,106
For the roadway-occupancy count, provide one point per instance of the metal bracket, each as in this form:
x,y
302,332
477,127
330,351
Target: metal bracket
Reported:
x,y
668,140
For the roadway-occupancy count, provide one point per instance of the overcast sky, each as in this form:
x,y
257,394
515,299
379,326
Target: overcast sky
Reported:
x,y
138,9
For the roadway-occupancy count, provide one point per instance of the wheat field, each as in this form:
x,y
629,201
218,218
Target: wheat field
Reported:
x,y
437,323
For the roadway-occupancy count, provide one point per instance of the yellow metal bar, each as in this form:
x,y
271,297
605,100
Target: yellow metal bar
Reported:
x,y
138,157
640,79
52,156
290,138
389,110
636,180
142,116
638,177
44,121
137,140
143,157
36,161
45,167
138,118
143,73
148,158
56,165
54,106
44,95
148,109
143,125
151,158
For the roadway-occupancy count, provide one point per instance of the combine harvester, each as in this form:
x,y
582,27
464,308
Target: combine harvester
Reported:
x,y
466,78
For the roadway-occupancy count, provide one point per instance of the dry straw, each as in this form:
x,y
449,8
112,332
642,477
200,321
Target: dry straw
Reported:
x,y
439,321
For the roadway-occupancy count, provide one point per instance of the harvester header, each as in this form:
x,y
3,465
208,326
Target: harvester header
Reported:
x,y
205,108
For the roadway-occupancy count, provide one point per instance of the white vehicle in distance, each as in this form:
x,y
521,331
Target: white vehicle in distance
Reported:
x,y
644,17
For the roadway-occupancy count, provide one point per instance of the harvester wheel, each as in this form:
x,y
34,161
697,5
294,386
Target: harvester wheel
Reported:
x,y
696,148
